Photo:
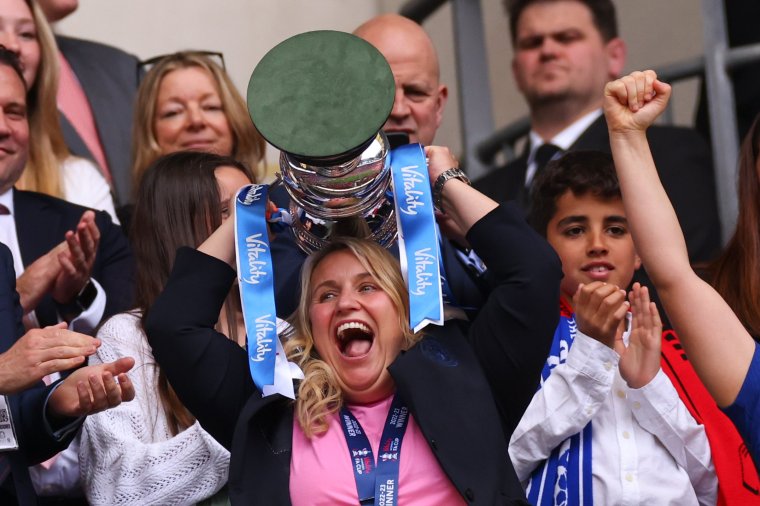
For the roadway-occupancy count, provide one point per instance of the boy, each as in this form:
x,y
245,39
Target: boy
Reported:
x,y
607,425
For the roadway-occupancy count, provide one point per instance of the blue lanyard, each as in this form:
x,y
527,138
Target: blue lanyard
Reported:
x,y
376,484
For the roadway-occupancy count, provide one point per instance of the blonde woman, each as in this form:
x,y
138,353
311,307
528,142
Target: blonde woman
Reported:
x,y
187,102
457,390
50,168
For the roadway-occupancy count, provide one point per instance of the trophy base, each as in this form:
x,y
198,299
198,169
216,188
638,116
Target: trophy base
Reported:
x,y
313,233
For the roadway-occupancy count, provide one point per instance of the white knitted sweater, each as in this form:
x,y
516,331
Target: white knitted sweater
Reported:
x,y
127,454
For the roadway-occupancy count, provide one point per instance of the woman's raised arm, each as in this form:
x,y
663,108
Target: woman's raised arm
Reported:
x,y
718,345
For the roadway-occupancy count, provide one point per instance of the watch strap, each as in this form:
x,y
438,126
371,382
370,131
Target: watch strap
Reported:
x,y
81,302
453,173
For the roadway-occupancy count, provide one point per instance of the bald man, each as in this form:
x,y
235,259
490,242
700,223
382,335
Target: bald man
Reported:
x,y
417,112
420,97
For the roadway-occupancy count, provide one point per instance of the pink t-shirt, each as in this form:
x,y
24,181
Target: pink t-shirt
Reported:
x,y
321,472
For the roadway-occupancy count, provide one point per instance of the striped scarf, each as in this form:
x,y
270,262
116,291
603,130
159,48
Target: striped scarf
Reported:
x,y
564,479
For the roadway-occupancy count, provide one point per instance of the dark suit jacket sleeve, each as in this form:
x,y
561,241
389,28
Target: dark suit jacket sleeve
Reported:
x,y
503,183
208,371
114,266
513,331
36,442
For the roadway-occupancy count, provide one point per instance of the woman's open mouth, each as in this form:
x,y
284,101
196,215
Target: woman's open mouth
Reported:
x,y
354,339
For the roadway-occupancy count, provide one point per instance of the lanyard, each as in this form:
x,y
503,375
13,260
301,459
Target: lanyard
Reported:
x,y
376,484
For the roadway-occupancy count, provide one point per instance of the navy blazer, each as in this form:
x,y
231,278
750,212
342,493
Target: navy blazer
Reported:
x,y
684,163
109,78
36,443
466,385
42,222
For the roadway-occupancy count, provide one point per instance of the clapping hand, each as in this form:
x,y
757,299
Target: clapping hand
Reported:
x,y
640,361
40,352
77,260
600,310
93,389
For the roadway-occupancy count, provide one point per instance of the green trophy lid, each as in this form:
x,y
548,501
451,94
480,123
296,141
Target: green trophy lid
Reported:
x,y
321,94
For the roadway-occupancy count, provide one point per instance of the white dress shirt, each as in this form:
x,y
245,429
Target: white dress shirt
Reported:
x,y
562,140
646,446
83,184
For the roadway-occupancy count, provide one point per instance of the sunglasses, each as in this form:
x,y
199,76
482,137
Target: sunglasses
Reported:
x,y
143,67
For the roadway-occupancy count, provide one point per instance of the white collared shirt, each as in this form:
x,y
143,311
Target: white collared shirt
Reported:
x,y
646,446
87,319
562,140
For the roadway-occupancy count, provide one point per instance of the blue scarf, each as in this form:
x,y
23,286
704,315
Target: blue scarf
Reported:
x,y
565,477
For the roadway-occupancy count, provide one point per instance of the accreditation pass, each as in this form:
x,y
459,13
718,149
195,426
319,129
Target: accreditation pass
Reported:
x,y
8,439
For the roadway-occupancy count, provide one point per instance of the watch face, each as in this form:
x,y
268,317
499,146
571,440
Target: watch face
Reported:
x,y
87,295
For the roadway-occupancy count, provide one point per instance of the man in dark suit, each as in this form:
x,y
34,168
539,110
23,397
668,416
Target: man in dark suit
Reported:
x,y
44,419
565,51
105,79
86,276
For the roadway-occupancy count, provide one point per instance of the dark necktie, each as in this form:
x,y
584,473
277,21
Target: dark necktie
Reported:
x,y
544,154
5,466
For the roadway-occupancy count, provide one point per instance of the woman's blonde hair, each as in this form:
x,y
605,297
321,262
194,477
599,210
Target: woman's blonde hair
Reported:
x,y
248,146
319,395
47,148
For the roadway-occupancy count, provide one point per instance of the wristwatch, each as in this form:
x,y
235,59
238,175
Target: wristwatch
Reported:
x,y
453,173
81,302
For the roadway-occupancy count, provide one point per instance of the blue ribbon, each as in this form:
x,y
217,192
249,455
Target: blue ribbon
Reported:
x,y
254,266
418,242
376,483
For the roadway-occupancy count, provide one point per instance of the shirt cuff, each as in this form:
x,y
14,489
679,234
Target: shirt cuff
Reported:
x,y
593,359
59,433
87,321
653,399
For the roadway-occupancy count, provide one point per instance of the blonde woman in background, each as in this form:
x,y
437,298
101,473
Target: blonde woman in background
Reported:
x,y
187,102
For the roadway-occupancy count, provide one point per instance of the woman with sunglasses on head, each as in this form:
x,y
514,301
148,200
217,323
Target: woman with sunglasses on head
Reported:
x,y
51,168
462,386
187,102
154,451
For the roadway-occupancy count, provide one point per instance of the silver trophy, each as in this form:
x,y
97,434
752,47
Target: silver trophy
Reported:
x,y
322,98
350,197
